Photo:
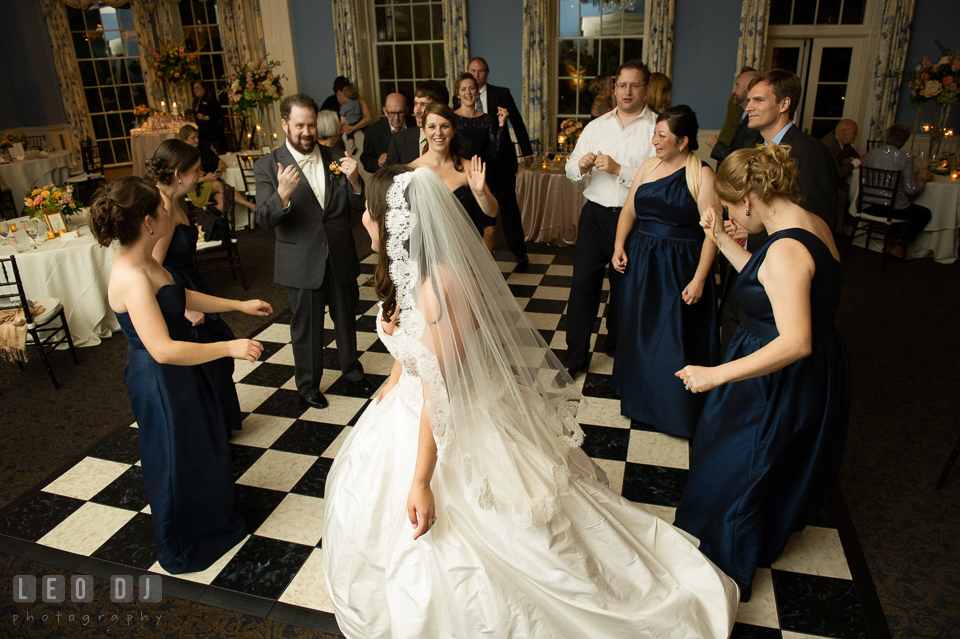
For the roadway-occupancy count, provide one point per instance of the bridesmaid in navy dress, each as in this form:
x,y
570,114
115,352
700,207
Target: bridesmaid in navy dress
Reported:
x,y
183,402
668,303
771,436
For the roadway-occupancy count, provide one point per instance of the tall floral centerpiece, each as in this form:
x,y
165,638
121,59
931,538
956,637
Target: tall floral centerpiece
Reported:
x,y
49,200
570,130
251,89
175,66
938,81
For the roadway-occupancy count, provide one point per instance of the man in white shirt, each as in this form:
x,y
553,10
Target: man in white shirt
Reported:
x,y
608,154
309,204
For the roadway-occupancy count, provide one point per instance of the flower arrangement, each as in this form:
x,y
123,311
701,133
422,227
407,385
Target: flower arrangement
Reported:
x,y
253,86
570,130
8,139
939,80
335,169
49,199
175,64
141,111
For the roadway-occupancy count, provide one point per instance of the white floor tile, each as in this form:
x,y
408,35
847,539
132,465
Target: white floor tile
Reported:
x,y
87,478
277,470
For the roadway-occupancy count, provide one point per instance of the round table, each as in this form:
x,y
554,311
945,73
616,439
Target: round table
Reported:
x,y
550,205
144,143
75,271
940,238
19,175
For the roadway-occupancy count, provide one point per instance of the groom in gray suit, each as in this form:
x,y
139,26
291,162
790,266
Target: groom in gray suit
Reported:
x,y
316,259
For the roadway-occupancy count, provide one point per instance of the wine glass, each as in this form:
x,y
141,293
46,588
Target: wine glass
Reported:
x,y
4,232
32,230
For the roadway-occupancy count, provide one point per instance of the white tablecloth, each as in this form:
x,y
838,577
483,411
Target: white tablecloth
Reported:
x,y
19,175
76,272
940,238
550,205
234,178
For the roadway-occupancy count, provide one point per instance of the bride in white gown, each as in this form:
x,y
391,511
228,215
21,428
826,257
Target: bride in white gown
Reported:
x,y
461,504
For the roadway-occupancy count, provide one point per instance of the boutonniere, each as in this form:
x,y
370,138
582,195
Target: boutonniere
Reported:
x,y
335,169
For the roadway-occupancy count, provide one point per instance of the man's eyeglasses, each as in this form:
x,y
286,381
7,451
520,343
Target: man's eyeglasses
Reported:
x,y
624,85
396,114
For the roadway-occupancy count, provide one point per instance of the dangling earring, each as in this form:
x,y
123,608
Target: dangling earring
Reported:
x,y
151,231
179,182
746,212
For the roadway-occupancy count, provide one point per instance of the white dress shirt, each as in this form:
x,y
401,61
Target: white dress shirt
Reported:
x,y
482,99
629,146
311,165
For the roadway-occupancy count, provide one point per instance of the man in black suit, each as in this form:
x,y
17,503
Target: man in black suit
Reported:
x,y
376,142
839,143
316,258
744,137
407,145
502,177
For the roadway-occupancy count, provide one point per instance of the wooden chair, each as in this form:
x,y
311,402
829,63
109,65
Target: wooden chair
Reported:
x,y
878,192
8,209
246,161
874,144
85,184
42,333
210,255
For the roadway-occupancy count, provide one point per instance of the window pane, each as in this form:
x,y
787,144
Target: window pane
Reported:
x,y
406,88
385,63
91,17
589,20
130,45
120,71
100,126
109,97
820,128
128,121
186,13
803,11
835,64
611,22
98,46
404,59
567,96
206,66
787,58
87,73
139,94
93,100
401,24
437,21
384,26
569,19
421,60
421,22
632,49
125,18
829,102
114,43
81,46
106,152
386,88
103,72
609,56
134,72
828,12
126,98
567,58
853,11
120,153
116,125
589,56
439,63
633,20
780,11
218,67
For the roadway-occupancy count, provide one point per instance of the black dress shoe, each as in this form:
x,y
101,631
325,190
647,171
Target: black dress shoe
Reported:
x,y
523,265
316,401
572,372
363,386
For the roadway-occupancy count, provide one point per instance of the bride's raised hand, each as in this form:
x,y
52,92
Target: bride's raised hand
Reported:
x,y
421,509
476,174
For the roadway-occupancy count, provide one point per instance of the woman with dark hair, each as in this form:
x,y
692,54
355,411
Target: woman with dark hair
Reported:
x,y
184,403
484,130
462,504
466,180
209,116
668,303
771,436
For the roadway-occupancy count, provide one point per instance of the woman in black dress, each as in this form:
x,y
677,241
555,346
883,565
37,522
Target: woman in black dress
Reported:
x,y
209,116
483,131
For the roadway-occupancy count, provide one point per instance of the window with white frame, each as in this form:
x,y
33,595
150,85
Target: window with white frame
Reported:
x,y
201,30
408,45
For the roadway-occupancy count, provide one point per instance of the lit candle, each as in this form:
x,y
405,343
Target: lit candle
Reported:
x,y
955,175
51,235
174,109
163,106
926,127
258,128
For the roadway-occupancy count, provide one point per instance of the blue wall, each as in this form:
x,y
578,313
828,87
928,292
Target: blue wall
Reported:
x,y
933,21
495,30
313,43
29,90
705,57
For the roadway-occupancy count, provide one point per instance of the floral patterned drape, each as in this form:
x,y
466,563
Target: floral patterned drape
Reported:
x,y
455,46
65,58
660,40
891,59
346,40
155,26
533,105
754,17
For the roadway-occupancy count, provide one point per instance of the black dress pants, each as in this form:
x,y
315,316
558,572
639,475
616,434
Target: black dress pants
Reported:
x,y
917,217
596,235
306,330
503,185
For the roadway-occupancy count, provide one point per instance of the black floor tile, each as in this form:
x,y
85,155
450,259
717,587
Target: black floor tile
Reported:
x,y
256,504
605,442
122,446
38,515
243,458
537,268
821,606
367,323
307,438
522,291
822,517
599,385
133,545
746,631
263,567
344,386
365,305
353,421
314,481
126,491
331,358
560,281
283,403
537,305
270,349
547,335
653,484
267,374
562,257
377,347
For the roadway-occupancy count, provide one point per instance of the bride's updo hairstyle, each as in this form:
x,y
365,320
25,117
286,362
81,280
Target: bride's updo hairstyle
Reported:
x,y
380,182
445,112
117,210
682,122
171,156
766,171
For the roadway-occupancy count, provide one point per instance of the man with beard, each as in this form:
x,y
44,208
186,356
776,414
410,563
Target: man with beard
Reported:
x,y
316,258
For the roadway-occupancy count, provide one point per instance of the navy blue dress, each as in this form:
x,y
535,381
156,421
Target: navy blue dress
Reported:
x,y
484,133
658,333
184,415
768,449
480,219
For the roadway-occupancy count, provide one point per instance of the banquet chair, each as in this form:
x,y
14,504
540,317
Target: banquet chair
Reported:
x,y
878,190
42,333
223,252
246,161
85,184
874,144
7,204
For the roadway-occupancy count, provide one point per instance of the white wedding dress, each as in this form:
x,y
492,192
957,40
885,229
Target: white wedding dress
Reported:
x,y
529,541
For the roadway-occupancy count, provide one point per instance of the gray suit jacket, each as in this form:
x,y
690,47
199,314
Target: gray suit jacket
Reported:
x,y
308,231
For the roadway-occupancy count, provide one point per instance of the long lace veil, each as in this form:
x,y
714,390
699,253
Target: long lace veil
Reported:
x,y
502,408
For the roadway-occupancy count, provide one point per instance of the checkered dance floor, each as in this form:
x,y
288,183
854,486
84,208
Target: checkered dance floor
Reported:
x,y
96,512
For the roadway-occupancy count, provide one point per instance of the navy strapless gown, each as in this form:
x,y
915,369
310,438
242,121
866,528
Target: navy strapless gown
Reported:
x,y
480,219
184,415
658,333
179,261
768,449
